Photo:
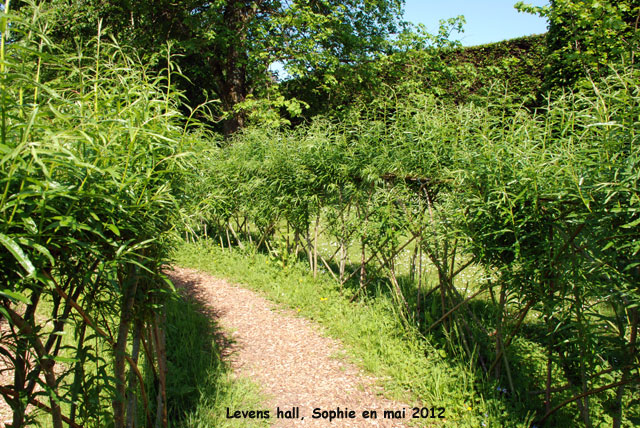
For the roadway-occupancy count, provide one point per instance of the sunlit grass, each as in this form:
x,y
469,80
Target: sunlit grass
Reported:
x,y
409,368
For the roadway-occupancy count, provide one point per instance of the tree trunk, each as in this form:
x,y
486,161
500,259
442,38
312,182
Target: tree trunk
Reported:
x,y
161,349
635,318
47,364
315,246
131,400
120,349
232,80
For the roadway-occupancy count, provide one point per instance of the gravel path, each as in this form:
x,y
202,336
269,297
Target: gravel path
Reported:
x,y
288,357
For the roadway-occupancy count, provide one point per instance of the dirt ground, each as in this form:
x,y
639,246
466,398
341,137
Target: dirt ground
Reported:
x,y
289,357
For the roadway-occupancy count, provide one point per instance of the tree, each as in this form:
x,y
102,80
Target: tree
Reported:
x,y
227,46
587,36
408,63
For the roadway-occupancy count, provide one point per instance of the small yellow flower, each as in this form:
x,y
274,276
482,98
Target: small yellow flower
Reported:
x,y
469,408
323,299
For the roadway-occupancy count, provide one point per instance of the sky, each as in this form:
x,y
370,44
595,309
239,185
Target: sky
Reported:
x,y
487,20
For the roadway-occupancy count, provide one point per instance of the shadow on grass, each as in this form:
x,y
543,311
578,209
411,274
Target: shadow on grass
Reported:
x,y
525,355
197,381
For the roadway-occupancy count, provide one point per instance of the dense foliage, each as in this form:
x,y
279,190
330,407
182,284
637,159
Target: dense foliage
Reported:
x,y
226,47
542,208
434,65
90,159
507,236
587,36
517,63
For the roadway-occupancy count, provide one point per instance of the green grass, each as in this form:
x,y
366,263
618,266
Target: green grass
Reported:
x,y
410,368
200,385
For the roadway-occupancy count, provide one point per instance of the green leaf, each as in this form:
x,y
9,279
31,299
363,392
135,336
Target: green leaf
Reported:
x,y
13,295
41,249
113,228
632,224
17,252
30,225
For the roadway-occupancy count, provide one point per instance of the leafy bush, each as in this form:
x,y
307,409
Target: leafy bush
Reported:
x,y
541,206
91,147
